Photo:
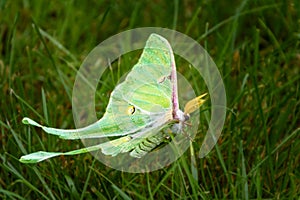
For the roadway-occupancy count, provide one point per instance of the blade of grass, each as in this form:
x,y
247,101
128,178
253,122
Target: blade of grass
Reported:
x,y
164,178
229,19
116,188
175,16
60,74
73,191
258,98
273,38
244,178
175,194
12,49
11,195
26,104
87,180
44,102
149,187
57,44
193,162
120,192
8,166
192,22
285,140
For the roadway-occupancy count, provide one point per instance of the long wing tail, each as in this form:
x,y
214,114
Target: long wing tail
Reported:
x,y
101,128
43,155
138,147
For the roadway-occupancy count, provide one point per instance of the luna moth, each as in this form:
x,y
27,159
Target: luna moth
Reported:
x,y
141,112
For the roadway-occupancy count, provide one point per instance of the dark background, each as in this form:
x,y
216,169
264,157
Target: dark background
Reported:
x,y
255,45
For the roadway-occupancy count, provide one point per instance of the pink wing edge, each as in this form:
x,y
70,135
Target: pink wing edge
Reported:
x,y
175,102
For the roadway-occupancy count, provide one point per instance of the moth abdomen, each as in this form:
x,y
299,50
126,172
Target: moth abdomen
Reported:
x,y
147,145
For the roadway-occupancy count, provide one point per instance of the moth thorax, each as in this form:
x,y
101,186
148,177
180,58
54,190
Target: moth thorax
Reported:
x,y
181,116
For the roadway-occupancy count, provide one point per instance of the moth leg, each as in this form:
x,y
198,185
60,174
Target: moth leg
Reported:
x,y
185,133
188,124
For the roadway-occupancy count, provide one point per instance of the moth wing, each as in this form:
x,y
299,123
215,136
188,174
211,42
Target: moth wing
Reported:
x,y
145,96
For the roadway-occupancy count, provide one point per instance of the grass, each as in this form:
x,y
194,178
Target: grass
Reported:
x,y
255,45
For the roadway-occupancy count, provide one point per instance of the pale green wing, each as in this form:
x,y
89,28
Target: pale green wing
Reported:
x,y
140,106
140,101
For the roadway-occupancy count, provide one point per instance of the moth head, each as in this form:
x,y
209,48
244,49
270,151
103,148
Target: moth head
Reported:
x,y
186,116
